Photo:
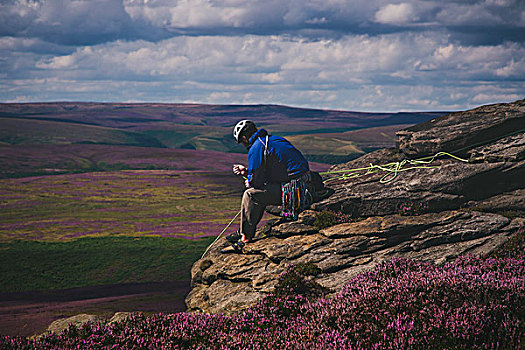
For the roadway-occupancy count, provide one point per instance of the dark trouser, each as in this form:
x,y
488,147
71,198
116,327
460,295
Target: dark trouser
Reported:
x,y
254,201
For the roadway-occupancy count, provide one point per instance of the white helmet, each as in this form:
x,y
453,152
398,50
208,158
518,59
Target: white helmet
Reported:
x,y
242,126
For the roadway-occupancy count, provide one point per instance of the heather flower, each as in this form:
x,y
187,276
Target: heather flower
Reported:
x,y
472,303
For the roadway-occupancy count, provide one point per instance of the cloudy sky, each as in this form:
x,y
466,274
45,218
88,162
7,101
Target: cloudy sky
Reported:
x,y
367,55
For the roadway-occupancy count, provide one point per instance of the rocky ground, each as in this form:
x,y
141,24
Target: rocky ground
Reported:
x,y
434,213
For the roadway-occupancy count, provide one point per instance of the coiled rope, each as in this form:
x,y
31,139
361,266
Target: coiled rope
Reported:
x,y
391,169
394,168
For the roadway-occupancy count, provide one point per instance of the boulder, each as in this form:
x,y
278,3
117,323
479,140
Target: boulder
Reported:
x,y
119,317
458,132
62,324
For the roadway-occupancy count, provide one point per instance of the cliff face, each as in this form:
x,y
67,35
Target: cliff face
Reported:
x,y
432,214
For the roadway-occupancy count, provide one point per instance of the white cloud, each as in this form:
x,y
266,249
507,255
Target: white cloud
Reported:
x,y
514,68
395,71
444,52
217,97
486,98
60,62
272,77
396,14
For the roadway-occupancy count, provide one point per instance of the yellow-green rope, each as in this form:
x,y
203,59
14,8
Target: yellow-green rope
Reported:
x,y
391,169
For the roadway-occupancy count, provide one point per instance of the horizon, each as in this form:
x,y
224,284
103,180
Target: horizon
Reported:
x,y
232,105
361,55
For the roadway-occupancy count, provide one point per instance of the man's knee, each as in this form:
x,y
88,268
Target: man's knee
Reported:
x,y
252,195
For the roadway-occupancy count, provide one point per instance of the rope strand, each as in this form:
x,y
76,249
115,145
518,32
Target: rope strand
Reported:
x,y
219,236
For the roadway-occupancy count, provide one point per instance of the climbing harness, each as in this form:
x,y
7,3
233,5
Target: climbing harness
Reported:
x,y
295,196
391,169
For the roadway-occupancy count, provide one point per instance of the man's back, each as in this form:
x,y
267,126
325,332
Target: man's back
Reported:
x,y
273,159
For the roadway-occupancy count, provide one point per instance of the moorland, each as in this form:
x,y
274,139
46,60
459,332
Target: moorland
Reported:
x,y
128,196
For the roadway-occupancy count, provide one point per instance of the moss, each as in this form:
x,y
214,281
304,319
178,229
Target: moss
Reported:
x,y
513,214
327,218
307,269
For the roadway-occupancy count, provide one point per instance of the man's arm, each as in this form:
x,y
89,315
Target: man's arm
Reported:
x,y
256,167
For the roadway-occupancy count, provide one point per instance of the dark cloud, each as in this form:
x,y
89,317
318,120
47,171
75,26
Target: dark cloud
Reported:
x,y
74,23
483,35
91,22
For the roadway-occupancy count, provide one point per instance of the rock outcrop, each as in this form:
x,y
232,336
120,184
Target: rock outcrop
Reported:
x,y
60,325
433,213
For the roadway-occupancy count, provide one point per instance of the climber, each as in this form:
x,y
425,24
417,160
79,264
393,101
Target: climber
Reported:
x,y
277,174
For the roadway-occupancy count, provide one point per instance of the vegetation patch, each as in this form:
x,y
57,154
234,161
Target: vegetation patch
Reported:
x,y
327,218
412,208
297,281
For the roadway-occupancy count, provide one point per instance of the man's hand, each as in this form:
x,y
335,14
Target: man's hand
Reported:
x,y
239,169
247,183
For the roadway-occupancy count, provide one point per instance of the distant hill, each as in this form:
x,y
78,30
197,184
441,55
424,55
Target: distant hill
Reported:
x,y
280,119
17,131
328,136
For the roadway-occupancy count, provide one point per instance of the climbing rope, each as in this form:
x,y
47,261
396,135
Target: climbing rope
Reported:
x,y
391,169
219,236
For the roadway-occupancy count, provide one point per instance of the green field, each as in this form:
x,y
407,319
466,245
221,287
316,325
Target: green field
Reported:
x,y
76,230
35,265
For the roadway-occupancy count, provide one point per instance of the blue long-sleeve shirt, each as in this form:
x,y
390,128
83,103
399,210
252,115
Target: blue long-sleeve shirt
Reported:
x,y
283,161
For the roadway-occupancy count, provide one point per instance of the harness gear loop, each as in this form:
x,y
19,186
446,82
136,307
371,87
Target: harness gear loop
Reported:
x,y
295,196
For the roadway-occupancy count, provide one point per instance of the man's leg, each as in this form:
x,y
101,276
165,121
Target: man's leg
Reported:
x,y
254,201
